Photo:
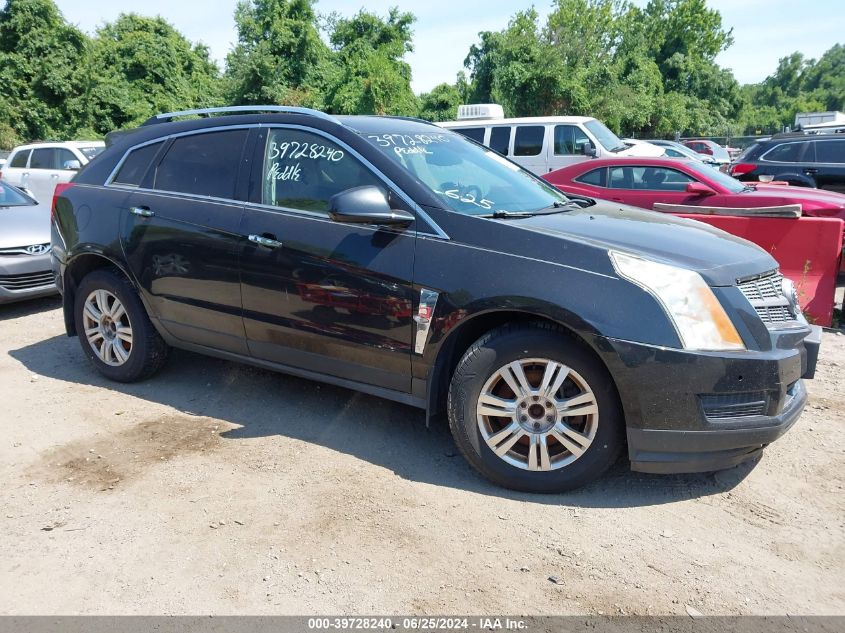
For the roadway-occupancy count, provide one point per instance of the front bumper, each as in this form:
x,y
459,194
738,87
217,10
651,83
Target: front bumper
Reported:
x,y
690,411
675,451
26,277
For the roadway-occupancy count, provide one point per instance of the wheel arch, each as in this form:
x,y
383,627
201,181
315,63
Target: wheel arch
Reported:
x,y
462,336
75,271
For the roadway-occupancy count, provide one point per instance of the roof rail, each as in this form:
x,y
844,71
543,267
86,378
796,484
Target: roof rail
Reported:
x,y
169,116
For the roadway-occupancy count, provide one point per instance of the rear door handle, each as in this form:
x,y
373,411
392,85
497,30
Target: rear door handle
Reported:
x,y
261,240
54,176
143,212
811,171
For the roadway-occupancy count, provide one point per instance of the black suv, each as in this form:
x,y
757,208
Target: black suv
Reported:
x,y
800,159
393,257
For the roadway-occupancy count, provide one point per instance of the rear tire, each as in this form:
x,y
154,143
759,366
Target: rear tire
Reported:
x,y
534,410
114,330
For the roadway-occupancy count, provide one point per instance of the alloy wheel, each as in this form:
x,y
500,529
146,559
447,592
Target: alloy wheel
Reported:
x,y
107,327
537,414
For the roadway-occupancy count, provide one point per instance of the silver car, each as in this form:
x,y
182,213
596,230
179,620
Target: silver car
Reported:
x,y
25,270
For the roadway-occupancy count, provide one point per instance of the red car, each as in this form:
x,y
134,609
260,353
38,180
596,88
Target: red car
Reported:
x,y
807,248
644,182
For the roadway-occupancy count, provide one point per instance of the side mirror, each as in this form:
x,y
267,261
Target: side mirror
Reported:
x,y
73,165
700,189
366,205
587,149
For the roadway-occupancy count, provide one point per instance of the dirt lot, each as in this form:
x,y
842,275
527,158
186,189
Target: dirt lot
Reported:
x,y
218,488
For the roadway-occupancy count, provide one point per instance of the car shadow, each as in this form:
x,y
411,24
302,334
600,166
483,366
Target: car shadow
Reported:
x,y
19,309
262,403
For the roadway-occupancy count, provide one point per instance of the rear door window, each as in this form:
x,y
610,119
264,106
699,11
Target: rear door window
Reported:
x,y
205,164
475,133
136,165
569,140
529,140
43,158
20,159
500,140
784,153
832,151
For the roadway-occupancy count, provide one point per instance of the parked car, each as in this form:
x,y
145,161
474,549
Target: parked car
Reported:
x,y
710,148
688,187
520,324
543,144
644,182
39,167
676,150
801,160
25,268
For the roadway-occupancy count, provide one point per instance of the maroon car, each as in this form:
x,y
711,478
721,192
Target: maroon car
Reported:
x,y
710,148
673,184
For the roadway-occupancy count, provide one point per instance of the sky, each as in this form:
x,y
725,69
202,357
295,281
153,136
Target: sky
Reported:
x,y
764,30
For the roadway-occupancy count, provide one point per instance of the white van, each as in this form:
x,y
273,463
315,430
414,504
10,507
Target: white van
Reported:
x,y
543,144
39,167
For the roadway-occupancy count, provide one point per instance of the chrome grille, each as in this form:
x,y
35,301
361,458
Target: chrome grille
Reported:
x,y
766,296
25,250
762,288
27,280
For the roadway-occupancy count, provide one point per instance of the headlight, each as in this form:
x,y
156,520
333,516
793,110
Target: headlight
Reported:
x,y
699,318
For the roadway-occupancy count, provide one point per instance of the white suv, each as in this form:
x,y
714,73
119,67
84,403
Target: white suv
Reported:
x,y
39,167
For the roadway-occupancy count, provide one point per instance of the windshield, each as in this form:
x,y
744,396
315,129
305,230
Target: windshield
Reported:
x,y
91,152
11,197
708,173
604,136
466,177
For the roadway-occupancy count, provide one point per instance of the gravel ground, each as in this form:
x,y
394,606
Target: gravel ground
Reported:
x,y
219,488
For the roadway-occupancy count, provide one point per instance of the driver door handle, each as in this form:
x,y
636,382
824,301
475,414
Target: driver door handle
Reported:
x,y
144,212
261,240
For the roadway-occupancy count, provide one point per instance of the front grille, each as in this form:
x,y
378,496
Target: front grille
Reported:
x,y
734,405
27,280
766,296
22,250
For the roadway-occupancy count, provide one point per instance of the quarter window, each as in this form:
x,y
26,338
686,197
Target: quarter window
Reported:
x,y
784,153
475,133
500,140
20,159
303,171
648,179
202,164
529,140
569,140
830,151
136,164
595,177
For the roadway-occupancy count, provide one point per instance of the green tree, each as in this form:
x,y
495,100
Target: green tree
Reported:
x,y
40,55
441,104
138,66
826,78
279,57
371,76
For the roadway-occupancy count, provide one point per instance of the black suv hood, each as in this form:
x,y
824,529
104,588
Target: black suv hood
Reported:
x,y
721,258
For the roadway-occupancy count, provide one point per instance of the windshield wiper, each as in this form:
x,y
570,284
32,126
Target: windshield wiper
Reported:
x,y
555,207
500,214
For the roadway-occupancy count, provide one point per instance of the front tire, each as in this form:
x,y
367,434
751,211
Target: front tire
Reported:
x,y
534,410
114,330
